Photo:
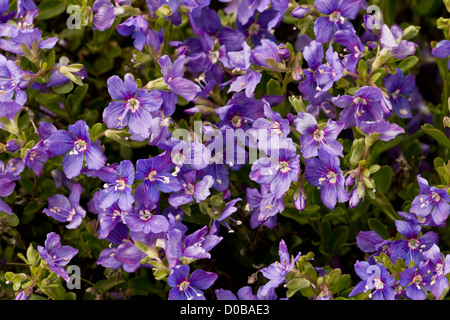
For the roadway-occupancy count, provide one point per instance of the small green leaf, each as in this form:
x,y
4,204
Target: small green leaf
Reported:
x,y
273,88
408,63
383,179
437,134
50,9
377,226
338,237
64,88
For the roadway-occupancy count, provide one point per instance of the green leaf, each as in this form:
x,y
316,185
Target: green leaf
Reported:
x,y
50,102
408,63
389,11
338,237
96,130
383,179
273,88
50,9
11,219
295,285
341,284
437,134
64,88
377,226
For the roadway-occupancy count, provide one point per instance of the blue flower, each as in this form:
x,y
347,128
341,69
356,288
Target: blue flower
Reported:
x,y
65,209
312,138
413,246
76,145
336,11
118,186
375,279
185,287
157,176
130,106
277,271
400,88
325,173
431,201
173,77
280,168
57,256
416,281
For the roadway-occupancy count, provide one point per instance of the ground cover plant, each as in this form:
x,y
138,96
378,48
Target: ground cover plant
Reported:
x,y
224,149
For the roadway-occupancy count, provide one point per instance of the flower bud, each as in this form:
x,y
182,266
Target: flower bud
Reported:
x,y
381,58
299,199
354,199
410,32
14,145
447,122
283,53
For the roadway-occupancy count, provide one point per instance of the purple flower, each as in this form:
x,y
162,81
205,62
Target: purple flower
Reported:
x,y
353,48
76,145
376,279
57,256
416,281
22,295
372,242
330,72
36,157
318,78
365,105
105,13
400,88
225,214
336,11
118,186
442,50
138,28
6,188
122,252
108,218
245,293
241,112
280,169
247,9
268,50
325,173
277,271
157,175
191,247
145,217
392,39
65,209
313,138
273,123
387,131
130,106
173,77
185,287
431,201
23,6
191,189
254,205
12,86
440,267
412,247
27,37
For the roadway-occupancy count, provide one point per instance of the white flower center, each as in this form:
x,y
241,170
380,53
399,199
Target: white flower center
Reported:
x,y
133,104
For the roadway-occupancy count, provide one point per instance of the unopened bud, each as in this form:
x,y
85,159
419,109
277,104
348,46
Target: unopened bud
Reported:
x,y
410,32
381,59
